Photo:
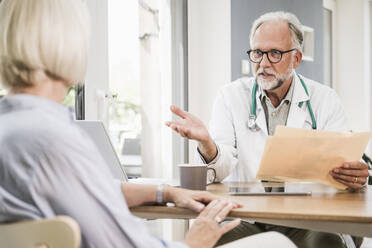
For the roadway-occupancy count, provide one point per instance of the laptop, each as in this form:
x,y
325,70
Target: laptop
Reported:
x,y
98,133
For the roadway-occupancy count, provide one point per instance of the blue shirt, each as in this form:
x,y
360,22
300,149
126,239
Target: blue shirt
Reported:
x,y
49,167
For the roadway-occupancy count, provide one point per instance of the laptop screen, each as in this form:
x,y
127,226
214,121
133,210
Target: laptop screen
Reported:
x,y
97,132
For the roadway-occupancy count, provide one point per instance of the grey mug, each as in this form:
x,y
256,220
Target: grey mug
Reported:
x,y
194,177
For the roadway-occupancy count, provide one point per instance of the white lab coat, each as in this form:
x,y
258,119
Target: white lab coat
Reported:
x,y
240,149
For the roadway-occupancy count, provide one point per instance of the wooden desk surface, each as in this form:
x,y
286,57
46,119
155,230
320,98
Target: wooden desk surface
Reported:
x,y
325,204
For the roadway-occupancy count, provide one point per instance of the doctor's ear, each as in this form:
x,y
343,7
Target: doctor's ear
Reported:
x,y
297,59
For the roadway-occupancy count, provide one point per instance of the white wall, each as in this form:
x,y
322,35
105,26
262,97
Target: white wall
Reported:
x,y
352,74
209,62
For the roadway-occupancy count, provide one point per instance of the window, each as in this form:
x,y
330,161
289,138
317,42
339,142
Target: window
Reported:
x,y
124,83
137,70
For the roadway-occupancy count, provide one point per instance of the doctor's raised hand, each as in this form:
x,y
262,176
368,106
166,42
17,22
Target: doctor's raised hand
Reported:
x,y
190,127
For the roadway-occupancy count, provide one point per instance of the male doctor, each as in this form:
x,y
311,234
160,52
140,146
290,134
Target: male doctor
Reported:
x,y
248,110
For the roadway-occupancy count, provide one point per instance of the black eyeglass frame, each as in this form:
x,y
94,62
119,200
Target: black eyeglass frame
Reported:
x,y
267,54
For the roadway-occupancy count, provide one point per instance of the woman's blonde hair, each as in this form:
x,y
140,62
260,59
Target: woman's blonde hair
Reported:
x,y
43,38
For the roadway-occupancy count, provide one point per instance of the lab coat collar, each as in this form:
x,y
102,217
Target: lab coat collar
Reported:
x,y
297,115
299,93
261,118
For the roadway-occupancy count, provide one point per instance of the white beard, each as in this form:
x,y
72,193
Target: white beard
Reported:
x,y
266,84
279,79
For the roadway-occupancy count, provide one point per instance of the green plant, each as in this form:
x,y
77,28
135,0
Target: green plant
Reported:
x,y
2,92
127,116
70,97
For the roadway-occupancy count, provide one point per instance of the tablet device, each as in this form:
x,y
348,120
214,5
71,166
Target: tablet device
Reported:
x,y
264,190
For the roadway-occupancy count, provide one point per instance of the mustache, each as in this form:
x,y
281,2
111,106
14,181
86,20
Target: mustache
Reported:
x,y
266,72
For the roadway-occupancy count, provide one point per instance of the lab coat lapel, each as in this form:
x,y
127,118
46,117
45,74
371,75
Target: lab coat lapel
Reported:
x,y
297,115
261,119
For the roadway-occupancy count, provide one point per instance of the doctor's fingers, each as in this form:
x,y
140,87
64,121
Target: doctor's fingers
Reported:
x,y
355,165
174,125
350,179
351,172
349,184
179,112
182,132
177,122
175,128
179,130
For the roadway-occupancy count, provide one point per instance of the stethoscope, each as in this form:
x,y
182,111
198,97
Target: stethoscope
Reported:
x,y
252,125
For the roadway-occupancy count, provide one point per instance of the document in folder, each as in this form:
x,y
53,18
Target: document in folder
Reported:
x,y
294,155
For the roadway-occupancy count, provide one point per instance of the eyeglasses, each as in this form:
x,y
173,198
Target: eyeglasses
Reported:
x,y
273,55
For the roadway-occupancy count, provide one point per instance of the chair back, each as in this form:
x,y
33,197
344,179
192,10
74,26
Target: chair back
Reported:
x,y
59,232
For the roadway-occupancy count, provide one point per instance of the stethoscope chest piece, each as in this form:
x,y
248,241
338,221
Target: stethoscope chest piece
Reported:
x,y
251,123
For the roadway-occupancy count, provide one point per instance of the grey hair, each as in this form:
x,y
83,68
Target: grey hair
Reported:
x,y
295,26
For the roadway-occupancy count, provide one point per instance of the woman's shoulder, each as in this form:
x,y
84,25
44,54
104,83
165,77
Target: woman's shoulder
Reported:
x,y
33,131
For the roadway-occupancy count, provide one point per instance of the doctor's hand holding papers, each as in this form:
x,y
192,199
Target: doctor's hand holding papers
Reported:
x,y
294,155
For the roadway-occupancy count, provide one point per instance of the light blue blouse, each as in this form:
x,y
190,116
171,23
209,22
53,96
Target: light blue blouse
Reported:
x,y
49,167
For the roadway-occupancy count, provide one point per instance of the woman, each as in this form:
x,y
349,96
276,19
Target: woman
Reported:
x,y
48,166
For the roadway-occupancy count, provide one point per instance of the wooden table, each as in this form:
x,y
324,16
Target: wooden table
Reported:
x,y
325,210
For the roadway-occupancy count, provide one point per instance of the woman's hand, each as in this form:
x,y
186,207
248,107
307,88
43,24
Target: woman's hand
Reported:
x,y
206,230
191,199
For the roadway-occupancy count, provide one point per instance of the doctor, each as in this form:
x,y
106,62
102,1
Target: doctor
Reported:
x,y
248,110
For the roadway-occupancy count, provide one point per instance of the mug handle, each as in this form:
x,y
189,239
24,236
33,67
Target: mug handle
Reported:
x,y
214,172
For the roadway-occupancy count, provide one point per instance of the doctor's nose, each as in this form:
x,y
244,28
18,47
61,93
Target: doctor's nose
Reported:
x,y
265,62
